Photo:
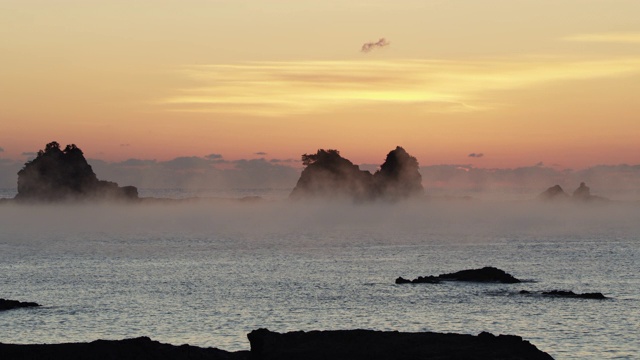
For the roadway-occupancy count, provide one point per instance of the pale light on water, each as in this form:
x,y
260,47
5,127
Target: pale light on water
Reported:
x,y
207,274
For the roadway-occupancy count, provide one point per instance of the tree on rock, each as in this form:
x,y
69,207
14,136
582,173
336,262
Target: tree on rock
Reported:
x,y
327,174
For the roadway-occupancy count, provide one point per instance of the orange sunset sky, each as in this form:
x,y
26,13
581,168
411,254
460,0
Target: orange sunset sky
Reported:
x,y
520,81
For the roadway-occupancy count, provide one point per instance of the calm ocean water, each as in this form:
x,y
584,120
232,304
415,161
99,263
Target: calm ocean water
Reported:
x,y
207,274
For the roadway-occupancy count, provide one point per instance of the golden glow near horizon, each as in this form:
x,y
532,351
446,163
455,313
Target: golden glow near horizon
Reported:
x,y
290,88
521,82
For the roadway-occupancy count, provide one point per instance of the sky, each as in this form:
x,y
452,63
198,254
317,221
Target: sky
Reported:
x,y
492,83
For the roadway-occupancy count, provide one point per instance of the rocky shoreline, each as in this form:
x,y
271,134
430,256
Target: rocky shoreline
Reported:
x,y
311,345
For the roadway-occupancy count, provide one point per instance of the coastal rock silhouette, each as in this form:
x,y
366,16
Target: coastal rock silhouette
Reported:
x,y
60,175
554,193
329,175
485,274
268,345
568,294
6,304
390,345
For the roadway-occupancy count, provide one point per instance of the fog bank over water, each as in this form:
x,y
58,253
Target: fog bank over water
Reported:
x,y
319,223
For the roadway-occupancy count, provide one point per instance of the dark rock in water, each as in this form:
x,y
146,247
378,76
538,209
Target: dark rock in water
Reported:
x,y
583,193
419,280
60,175
486,274
141,348
564,293
14,304
388,345
554,193
329,175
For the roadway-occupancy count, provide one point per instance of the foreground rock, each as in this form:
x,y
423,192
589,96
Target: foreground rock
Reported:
x,y
141,348
486,274
267,345
328,175
14,304
369,344
65,175
569,294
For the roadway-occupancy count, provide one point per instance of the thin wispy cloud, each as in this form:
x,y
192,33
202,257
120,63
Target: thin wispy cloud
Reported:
x,y
613,37
302,87
367,47
476,155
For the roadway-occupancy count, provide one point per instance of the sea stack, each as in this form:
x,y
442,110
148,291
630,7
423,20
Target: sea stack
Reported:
x,y
328,175
64,175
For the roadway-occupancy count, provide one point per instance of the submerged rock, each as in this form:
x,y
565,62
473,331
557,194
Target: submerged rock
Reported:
x,y
388,345
486,274
329,175
564,293
14,304
61,175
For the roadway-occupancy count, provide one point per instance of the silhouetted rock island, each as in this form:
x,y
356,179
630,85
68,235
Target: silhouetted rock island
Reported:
x,y
486,274
581,194
65,175
268,345
14,304
329,175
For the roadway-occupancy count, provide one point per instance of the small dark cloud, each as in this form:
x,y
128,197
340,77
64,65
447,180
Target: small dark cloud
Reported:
x,y
29,153
213,156
261,153
476,155
540,164
382,42
1,149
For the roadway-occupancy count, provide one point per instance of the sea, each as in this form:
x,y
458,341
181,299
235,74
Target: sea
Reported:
x,y
208,272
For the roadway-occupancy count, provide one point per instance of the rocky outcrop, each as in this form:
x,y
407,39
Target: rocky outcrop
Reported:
x,y
554,193
65,175
141,348
486,274
14,304
581,194
388,345
267,345
568,294
329,175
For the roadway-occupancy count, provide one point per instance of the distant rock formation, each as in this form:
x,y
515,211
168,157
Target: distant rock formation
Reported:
x,y
388,345
486,274
554,193
329,175
14,304
568,294
582,193
58,175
